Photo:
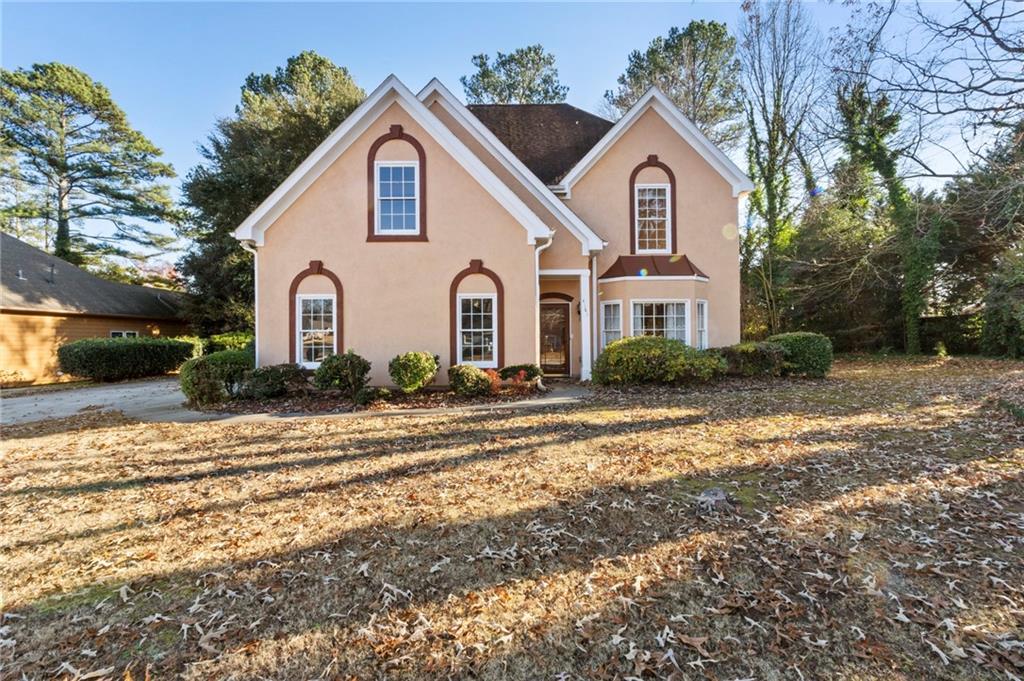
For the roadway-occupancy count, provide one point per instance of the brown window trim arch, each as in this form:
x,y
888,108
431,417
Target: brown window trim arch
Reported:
x,y
475,267
395,133
554,295
315,267
653,162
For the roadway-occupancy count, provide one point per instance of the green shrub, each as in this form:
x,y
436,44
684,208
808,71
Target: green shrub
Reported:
x,y
413,370
754,359
468,380
531,372
348,373
198,344
652,359
214,378
116,359
807,354
369,395
272,381
232,340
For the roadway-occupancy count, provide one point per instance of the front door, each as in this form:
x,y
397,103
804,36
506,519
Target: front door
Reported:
x,y
554,338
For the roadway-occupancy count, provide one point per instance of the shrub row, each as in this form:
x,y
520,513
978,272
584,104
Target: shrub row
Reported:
x,y
116,359
215,378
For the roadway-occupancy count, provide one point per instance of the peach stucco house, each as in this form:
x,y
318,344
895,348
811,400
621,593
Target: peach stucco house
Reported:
x,y
497,235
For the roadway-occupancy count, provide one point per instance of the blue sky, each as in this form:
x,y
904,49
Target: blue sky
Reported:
x,y
176,67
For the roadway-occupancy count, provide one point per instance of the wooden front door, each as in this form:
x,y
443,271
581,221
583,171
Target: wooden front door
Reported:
x,y
554,338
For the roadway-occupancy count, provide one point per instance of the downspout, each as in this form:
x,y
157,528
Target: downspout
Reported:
x,y
248,246
595,311
536,295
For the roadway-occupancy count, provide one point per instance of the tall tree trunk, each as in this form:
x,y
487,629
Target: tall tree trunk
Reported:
x,y
62,241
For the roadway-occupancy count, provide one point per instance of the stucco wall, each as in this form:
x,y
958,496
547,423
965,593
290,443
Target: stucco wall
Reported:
x,y
29,342
396,294
706,214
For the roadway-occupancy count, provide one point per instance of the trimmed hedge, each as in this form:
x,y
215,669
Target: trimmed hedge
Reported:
x,y
468,380
413,370
116,359
530,372
198,344
348,373
807,354
272,381
215,378
232,340
754,359
652,359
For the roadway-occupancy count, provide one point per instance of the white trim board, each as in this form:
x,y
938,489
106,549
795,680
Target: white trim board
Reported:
x,y
392,90
436,91
482,364
654,99
655,277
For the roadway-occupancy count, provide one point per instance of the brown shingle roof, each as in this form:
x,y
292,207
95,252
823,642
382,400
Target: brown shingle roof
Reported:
x,y
27,282
652,266
548,138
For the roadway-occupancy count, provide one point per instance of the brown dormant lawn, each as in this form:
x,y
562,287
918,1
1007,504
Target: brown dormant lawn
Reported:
x,y
878,534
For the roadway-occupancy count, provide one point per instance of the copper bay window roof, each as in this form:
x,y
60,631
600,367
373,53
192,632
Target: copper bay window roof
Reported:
x,y
652,266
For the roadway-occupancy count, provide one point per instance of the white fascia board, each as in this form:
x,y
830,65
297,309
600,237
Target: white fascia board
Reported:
x,y
654,99
586,236
390,91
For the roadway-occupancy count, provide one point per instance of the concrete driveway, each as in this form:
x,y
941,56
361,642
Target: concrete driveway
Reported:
x,y
150,400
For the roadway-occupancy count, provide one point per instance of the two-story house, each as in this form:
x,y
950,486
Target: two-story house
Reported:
x,y
497,235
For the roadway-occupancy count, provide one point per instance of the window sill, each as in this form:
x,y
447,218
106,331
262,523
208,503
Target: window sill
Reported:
x,y
397,237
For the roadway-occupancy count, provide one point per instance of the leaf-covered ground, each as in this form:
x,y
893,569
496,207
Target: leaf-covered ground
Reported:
x,y
879,534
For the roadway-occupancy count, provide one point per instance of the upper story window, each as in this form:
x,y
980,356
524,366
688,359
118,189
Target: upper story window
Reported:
x,y
397,198
653,216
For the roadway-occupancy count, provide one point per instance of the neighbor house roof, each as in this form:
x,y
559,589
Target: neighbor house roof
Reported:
x,y
652,266
33,280
548,138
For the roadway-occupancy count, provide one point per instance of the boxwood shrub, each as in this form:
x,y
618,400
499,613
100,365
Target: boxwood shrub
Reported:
x,y
807,354
215,378
198,344
652,359
468,380
116,359
530,372
413,370
348,373
754,359
271,381
232,340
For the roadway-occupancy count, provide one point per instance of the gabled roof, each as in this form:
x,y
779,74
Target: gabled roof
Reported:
x,y
392,90
436,91
548,138
33,280
654,99
652,266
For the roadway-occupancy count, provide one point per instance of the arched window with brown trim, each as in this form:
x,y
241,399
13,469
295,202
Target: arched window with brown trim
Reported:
x,y
652,211
315,320
397,192
477,321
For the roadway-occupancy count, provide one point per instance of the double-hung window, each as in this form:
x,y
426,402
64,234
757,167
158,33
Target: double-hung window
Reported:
x,y
124,334
611,322
478,330
667,319
702,324
397,192
316,326
652,218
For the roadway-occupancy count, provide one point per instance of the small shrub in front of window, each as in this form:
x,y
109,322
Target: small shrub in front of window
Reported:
x,y
654,359
414,370
530,372
754,359
214,378
118,359
370,395
468,380
273,381
807,354
348,373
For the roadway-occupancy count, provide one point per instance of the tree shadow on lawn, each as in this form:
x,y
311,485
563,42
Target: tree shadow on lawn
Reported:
x,y
350,598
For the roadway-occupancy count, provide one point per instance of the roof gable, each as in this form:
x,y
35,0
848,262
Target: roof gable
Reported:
x,y
392,90
654,100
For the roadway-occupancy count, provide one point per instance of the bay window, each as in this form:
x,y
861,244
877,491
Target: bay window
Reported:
x,y
665,318
611,322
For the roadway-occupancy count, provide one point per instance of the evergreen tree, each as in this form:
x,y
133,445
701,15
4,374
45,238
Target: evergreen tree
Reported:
x,y
524,76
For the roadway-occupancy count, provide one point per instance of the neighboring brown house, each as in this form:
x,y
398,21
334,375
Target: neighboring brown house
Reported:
x,y
46,302
497,235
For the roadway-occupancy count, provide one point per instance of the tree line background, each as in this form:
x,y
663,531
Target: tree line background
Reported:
x,y
851,230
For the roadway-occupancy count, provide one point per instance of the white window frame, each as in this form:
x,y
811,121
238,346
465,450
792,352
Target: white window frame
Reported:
x,y
298,325
493,297
686,307
123,334
377,165
604,303
702,320
668,217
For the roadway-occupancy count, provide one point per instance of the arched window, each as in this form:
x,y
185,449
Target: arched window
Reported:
x,y
652,211
477,325
397,192
314,319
